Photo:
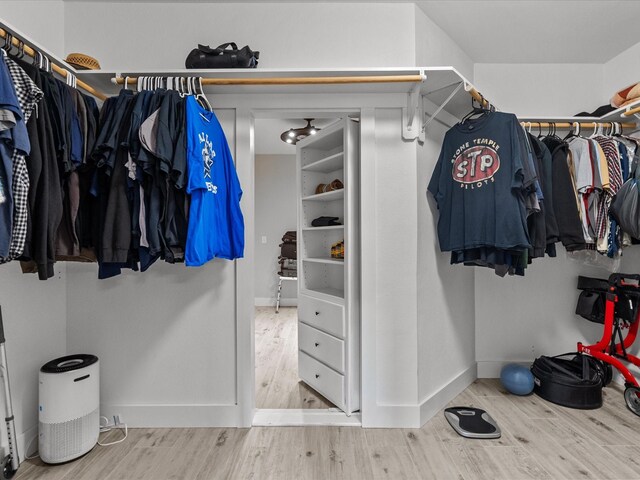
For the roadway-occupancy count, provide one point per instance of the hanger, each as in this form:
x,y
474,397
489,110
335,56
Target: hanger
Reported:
x,y
476,110
573,132
20,53
202,97
8,39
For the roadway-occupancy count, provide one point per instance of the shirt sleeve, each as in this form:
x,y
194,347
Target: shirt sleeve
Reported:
x,y
519,179
235,216
434,183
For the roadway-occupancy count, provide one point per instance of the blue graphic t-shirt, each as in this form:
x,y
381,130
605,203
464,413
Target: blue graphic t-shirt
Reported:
x,y
477,184
216,225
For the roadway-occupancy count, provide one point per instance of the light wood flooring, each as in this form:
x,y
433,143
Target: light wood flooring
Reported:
x,y
539,441
277,382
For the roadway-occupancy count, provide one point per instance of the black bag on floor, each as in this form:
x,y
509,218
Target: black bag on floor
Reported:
x,y
574,382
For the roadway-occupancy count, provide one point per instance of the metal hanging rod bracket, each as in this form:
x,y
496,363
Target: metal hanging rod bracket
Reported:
x,y
412,115
441,107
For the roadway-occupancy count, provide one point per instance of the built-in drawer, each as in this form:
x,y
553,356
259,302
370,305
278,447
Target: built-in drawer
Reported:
x,y
322,346
322,315
318,376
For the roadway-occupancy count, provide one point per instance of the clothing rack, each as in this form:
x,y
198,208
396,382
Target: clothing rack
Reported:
x,y
570,125
21,44
296,80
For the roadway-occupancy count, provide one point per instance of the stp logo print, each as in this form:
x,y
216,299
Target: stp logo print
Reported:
x,y
476,164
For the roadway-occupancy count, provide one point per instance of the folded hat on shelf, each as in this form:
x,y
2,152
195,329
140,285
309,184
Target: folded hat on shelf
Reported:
x,y
626,95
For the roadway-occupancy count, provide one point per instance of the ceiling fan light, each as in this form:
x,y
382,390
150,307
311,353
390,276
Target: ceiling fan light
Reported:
x,y
293,135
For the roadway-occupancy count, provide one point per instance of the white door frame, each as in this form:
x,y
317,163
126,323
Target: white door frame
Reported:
x,y
294,416
248,108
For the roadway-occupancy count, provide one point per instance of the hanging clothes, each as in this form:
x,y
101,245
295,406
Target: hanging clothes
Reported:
x,y
216,225
480,183
45,193
492,174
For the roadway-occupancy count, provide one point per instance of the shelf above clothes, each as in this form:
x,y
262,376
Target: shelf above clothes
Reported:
x,y
443,86
623,115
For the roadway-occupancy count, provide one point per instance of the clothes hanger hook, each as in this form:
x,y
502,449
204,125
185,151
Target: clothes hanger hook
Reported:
x,y
8,39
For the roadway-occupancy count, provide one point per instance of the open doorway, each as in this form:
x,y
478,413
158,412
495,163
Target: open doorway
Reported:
x,y
282,397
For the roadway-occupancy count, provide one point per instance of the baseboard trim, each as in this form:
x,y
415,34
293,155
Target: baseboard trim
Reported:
x,y
432,404
271,302
175,416
393,416
491,369
298,417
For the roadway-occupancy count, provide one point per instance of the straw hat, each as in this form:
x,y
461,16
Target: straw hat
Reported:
x,y
82,61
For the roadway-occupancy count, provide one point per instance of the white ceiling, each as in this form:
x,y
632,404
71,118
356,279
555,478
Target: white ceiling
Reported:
x,y
521,31
538,31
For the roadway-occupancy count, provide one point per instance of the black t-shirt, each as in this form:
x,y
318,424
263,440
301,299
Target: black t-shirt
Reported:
x,y
477,184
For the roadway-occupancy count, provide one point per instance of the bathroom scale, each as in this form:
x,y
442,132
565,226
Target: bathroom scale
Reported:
x,y
472,422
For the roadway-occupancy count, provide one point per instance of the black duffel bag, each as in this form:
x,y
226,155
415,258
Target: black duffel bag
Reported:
x,y
226,55
574,382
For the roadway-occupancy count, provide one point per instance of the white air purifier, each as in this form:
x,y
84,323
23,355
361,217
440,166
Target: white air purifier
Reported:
x,y
69,413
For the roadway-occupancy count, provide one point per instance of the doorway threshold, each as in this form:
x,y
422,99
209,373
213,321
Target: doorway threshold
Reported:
x,y
300,417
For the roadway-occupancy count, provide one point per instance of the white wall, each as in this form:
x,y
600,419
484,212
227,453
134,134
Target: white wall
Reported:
x,y
446,315
42,21
299,35
165,338
445,301
435,48
621,71
34,314
276,213
541,89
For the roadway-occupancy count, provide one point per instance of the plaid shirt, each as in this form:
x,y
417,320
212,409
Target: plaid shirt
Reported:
x,y
28,97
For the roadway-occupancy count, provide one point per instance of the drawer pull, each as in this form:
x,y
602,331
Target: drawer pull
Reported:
x,y
317,375
317,344
317,313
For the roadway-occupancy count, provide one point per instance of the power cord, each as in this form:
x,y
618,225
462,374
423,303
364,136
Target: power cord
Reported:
x,y
108,427
35,454
103,429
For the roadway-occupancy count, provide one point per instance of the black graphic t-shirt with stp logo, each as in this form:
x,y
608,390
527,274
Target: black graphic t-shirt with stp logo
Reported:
x,y
477,184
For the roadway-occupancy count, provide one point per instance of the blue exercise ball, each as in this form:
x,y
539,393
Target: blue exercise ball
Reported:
x,y
517,379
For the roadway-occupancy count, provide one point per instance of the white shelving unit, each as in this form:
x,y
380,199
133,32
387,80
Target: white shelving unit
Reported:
x,y
328,308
